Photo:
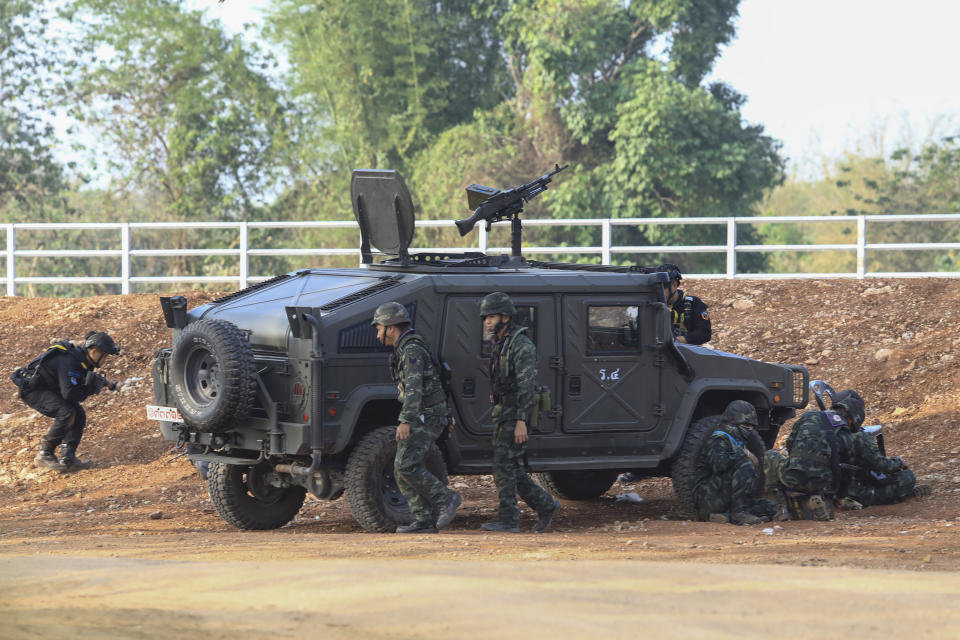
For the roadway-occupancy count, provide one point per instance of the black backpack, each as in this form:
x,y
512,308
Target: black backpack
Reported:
x,y
26,378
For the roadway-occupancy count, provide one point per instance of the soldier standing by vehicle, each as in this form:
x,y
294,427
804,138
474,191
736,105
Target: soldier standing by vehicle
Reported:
x,y
513,375
423,418
55,383
727,471
877,479
691,322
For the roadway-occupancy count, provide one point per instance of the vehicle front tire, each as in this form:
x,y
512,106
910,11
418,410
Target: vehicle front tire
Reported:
x,y
578,485
371,488
682,473
253,497
212,373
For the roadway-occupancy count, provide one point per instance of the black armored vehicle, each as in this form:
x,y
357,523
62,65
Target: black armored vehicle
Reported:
x,y
284,388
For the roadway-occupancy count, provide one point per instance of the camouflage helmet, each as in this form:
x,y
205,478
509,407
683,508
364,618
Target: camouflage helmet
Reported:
x,y
497,302
101,340
740,412
391,313
853,403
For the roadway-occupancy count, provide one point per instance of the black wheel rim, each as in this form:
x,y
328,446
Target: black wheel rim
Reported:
x,y
202,377
390,491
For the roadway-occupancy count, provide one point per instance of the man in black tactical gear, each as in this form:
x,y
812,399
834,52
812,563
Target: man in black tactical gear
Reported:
x,y
513,378
423,418
691,322
55,383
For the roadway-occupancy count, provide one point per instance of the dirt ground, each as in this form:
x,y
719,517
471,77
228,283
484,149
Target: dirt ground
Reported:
x,y
895,341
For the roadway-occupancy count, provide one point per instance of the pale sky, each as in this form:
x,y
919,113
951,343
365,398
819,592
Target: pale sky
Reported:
x,y
822,76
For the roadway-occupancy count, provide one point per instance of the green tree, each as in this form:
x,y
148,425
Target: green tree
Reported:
x,y
616,89
30,175
189,115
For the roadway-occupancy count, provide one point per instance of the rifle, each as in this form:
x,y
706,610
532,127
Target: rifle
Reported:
x,y
492,205
104,381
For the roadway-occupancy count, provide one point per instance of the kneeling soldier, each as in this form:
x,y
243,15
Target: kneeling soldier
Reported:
x,y
423,417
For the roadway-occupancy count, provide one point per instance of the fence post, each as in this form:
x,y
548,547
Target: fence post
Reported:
x,y
731,247
125,258
861,246
244,256
11,261
605,241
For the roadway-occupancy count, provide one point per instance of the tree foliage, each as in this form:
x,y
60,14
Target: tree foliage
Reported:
x,y
188,114
30,175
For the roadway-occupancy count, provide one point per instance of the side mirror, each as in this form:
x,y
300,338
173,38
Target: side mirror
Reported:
x,y
656,325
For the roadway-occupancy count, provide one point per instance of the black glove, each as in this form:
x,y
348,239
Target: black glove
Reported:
x,y
93,383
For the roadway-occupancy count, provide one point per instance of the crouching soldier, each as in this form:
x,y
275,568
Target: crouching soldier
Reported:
x,y
423,418
811,473
55,383
873,477
728,476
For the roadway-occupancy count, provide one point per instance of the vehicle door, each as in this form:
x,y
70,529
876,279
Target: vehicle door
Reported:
x,y
469,356
612,383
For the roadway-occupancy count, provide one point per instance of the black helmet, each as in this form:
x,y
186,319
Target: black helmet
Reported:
x,y
853,403
673,271
102,341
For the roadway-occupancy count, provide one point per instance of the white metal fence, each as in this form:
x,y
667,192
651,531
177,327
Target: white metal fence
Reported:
x,y
241,249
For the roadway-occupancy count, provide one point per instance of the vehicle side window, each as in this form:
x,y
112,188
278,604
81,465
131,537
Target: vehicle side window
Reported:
x,y
527,318
613,329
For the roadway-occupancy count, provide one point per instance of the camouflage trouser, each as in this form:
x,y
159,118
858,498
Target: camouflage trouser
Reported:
x,y
806,476
867,493
733,490
772,460
424,492
512,479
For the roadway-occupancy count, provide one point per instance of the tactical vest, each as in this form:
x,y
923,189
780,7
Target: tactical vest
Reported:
x,y
679,318
433,393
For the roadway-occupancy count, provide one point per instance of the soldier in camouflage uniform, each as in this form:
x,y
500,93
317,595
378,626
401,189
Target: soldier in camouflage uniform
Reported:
x,y
728,472
812,465
513,376
877,479
423,417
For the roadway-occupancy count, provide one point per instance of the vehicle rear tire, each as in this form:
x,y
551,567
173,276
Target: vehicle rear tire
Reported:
x,y
212,373
248,498
682,473
578,485
371,488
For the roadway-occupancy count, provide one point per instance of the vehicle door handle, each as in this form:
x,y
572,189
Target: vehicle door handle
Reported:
x,y
469,388
574,386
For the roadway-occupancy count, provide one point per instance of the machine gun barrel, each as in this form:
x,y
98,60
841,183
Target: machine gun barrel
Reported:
x,y
504,204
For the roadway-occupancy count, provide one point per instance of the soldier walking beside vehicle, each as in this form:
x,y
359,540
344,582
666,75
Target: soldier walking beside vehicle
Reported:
x,y
513,376
691,322
727,471
55,383
423,418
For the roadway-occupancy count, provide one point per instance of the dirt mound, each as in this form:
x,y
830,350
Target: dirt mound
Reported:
x,y
894,341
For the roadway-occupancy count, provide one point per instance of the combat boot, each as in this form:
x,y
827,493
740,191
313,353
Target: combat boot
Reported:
x,y
849,504
449,509
718,518
819,510
545,519
502,527
922,490
47,460
418,527
69,460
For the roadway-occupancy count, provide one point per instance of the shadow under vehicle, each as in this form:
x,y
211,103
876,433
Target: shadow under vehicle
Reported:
x,y
284,388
